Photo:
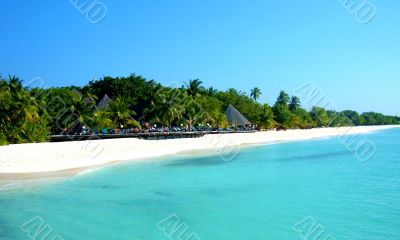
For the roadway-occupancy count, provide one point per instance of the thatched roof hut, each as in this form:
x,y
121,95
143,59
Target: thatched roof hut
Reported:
x,y
104,102
235,117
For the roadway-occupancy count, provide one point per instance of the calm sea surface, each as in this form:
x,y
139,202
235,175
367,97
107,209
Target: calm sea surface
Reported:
x,y
308,190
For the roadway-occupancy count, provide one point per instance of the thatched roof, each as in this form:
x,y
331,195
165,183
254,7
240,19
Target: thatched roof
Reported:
x,y
235,117
88,101
104,102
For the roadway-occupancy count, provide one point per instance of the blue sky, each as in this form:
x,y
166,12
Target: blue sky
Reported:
x,y
241,44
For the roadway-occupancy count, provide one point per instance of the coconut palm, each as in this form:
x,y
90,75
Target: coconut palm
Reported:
x,y
294,103
255,93
212,91
20,118
267,117
4,99
21,105
121,114
283,98
102,119
80,109
193,111
170,112
166,107
193,88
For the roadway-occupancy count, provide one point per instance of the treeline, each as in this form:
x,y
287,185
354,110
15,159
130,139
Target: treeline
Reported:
x,y
32,114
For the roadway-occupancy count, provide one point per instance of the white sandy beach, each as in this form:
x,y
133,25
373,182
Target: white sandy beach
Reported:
x,y
49,157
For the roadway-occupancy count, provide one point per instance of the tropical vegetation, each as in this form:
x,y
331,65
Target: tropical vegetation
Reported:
x,y
33,114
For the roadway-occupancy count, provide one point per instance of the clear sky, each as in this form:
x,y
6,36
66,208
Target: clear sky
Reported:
x,y
274,45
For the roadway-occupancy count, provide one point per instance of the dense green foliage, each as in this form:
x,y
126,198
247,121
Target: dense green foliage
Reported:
x,y
31,114
22,119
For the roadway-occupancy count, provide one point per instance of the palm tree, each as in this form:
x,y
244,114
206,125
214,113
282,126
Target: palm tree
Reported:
x,y
192,92
267,117
168,108
193,88
81,109
4,100
294,103
121,114
102,119
255,93
170,112
21,105
20,118
283,98
211,91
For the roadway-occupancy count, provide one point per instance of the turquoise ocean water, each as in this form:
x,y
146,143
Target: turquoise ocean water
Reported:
x,y
262,194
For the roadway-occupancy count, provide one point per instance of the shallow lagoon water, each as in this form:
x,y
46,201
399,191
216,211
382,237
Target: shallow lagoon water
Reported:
x,y
262,194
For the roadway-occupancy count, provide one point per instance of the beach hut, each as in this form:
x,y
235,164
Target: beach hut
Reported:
x,y
234,117
104,102
87,101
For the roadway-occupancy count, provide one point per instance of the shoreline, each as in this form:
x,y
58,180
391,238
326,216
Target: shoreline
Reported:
x,y
43,160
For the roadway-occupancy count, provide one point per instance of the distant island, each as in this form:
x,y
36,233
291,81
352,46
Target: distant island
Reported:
x,y
134,104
